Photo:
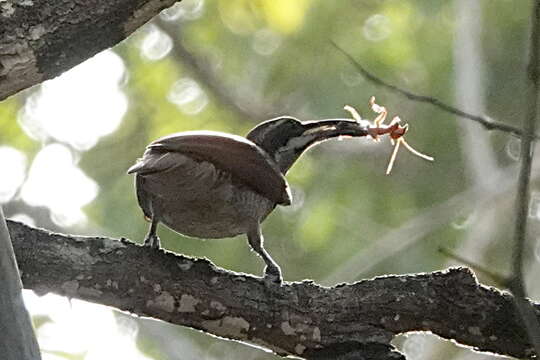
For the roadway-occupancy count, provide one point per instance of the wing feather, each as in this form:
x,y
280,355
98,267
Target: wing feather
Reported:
x,y
244,160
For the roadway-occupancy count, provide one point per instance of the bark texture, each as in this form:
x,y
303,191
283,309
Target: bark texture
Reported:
x,y
348,321
18,341
40,39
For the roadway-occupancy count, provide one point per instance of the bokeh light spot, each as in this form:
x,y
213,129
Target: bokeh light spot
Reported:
x,y
188,96
156,44
376,28
56,182
414,346
185,10
80,106
513,148
101,337
13,172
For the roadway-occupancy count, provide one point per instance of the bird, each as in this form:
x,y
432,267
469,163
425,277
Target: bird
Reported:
x,y
211,185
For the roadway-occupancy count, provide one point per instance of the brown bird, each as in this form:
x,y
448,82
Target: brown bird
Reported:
x,y
207,184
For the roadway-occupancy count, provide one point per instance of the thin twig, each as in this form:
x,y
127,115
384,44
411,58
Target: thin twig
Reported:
x,y
517,285
486,122
499,278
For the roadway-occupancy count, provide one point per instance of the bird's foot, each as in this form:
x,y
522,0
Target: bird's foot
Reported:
x,y
272,277
152,242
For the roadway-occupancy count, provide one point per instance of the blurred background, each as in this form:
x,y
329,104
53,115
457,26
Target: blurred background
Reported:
x,y
228,65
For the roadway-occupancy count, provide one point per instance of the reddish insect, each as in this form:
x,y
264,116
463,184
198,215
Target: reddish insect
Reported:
x,y
394,130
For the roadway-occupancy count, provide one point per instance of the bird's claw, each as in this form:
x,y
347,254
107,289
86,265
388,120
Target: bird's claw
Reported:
x,y
152,242
272,277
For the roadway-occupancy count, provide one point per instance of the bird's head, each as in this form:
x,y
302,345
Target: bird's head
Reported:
x,y
286,138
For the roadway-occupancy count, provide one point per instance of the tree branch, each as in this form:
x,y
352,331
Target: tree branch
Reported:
x,y
486,122
517,285
302,319
41,39
18,341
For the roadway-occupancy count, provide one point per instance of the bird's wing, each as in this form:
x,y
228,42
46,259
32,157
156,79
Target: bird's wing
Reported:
x,y
154,162
244,160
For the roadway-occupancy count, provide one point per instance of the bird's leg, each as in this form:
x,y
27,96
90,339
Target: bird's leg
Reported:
x,y
152,239
272,272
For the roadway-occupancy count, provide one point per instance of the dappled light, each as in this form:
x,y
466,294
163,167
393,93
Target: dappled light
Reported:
x,y
80,106
513,148
185,10
377,28
188,96
55,181
14,170
414,346
103,336
156,44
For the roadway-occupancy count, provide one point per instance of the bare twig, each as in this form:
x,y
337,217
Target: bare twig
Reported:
x,y
523,193
486,122
499,278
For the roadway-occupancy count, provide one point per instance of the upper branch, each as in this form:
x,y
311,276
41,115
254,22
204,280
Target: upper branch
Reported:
x,y
486,122
298,318
517,285
18,341
40,39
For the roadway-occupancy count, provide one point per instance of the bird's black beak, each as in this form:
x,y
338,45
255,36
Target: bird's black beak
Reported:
x,y
322,130
285,138
314,132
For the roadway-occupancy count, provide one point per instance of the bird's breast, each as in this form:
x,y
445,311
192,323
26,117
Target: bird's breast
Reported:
x,y
197,199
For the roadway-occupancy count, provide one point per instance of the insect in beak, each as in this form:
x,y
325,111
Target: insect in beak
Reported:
x,y
395,131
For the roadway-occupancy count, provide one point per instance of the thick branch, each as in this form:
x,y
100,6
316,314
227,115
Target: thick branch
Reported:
x,y
298,318
40,39
523,192
18,341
